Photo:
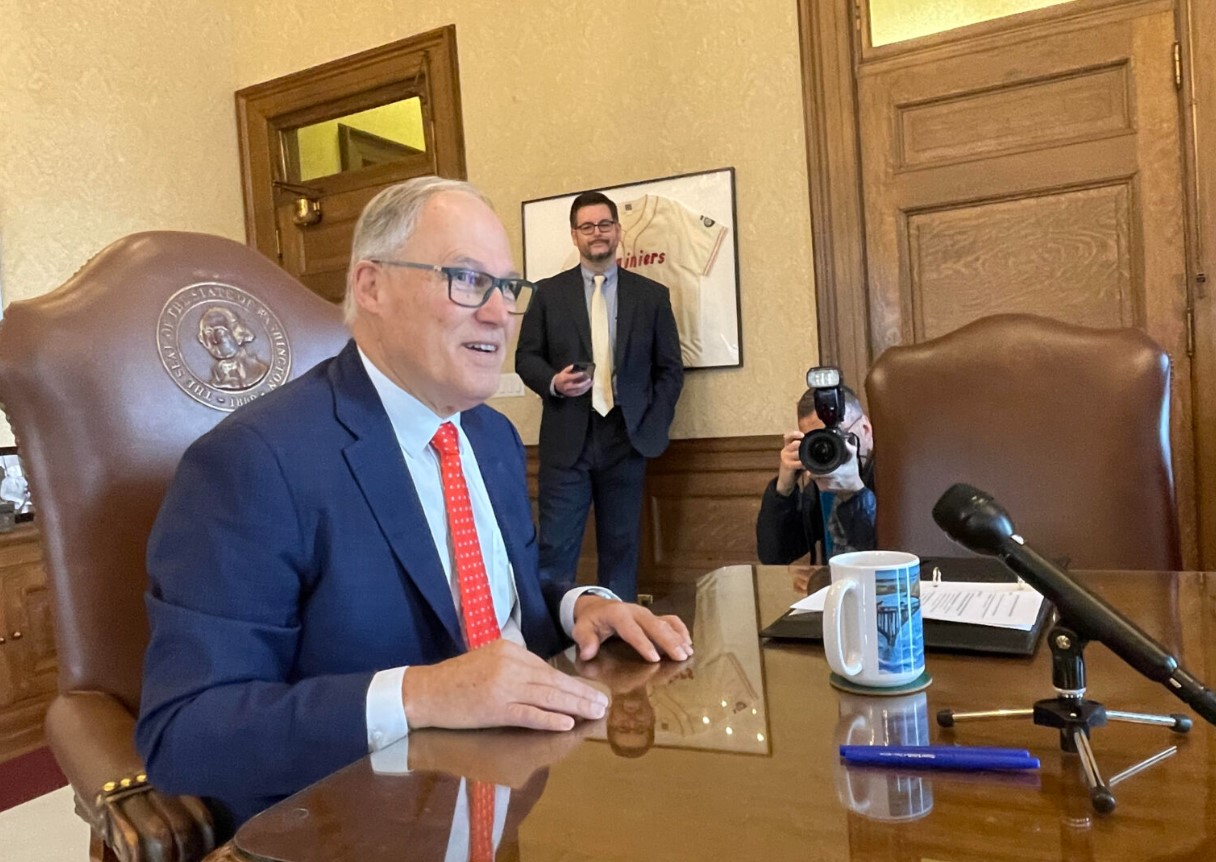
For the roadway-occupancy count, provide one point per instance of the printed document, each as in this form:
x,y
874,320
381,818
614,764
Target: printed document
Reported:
x,y
1003,605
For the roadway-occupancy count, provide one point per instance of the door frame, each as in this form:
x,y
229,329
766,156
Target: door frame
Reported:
x,y
832,40
424,65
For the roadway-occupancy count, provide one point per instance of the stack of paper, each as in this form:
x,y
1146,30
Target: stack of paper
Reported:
x,y
1001,605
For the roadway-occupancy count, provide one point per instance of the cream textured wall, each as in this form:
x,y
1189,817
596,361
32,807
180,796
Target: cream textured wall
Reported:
x,y
564,96
115,116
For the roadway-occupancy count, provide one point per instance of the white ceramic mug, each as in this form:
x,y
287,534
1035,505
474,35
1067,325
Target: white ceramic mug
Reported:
x,y
872,630
883,794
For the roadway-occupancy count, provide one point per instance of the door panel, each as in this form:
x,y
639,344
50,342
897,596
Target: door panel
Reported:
x,y
319,254
1075,107
1030,246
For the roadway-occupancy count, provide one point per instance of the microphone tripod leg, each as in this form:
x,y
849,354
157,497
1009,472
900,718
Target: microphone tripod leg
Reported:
x,y
1137,768
1175,721
1099,791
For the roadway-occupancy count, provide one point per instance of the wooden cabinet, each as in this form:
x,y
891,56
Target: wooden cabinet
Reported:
x,y
27,642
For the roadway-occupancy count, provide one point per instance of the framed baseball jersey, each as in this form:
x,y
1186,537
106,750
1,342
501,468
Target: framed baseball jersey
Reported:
x,y
678,231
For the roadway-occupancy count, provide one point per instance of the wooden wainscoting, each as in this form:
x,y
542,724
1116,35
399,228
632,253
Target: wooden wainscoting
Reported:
x,y
702,497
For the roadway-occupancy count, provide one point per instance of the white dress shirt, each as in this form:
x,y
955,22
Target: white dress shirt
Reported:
x,y
414,424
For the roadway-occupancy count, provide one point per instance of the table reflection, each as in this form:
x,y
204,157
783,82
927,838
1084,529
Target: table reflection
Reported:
x,y
713,702
877,793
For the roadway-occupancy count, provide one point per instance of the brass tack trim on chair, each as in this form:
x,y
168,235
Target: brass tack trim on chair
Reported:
x,y
113,791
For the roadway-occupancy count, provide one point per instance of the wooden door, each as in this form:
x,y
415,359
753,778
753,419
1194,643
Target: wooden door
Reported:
x,y
304,218
1028,164
1038,171
31,640
28,668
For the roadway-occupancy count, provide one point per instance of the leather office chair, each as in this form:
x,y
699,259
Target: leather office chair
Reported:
x,y
1066,426
106,381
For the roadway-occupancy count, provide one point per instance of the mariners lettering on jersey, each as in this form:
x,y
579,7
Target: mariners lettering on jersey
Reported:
x,y
642,257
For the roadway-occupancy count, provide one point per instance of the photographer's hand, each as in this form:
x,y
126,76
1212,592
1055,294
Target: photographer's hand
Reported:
x,y
791,466
845,479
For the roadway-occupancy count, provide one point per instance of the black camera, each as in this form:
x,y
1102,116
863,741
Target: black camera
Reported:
x,y
825,449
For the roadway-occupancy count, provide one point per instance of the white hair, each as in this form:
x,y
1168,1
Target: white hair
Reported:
x,y
389,220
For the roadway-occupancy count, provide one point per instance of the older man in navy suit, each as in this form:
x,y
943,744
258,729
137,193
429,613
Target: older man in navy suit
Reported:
x,y
599,345
352,556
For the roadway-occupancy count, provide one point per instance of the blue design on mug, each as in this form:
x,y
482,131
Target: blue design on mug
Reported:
x,y
901,634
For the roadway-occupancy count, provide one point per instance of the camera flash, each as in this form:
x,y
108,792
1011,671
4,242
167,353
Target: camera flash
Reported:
x,y
823,377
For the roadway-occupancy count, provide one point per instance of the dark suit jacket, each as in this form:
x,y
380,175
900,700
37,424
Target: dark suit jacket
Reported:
x,y
789,527
290,561
556,331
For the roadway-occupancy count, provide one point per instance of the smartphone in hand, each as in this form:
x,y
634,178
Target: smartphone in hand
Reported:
x,y
587,368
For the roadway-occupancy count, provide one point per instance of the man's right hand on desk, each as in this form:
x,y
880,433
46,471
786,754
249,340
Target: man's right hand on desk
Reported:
x,y
499,685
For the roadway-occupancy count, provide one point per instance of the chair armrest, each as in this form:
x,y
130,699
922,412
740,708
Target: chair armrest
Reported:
x,y
93,738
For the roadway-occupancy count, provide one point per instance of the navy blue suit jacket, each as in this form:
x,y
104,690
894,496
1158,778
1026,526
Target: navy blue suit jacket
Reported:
x,y
556,331
290,561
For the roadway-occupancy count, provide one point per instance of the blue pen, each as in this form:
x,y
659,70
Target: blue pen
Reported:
x,y
928,757
949,749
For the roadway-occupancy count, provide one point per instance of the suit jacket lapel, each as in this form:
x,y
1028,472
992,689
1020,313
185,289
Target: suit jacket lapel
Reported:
x,y
626,305
376,462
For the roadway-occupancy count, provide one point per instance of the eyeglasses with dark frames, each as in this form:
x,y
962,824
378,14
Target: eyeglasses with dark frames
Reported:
x,y
471,288
589,227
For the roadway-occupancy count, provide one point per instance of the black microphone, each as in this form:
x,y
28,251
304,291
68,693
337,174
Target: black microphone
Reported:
x,y
972,518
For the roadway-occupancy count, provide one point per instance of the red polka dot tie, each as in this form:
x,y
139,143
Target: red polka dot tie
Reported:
x,y
481,827
477,606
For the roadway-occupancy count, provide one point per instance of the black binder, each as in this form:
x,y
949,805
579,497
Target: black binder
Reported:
x,y
941,636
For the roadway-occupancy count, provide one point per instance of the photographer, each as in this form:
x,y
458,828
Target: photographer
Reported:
x,y
826,514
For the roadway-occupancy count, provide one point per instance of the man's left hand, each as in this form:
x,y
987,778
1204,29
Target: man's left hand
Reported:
x,y
596,619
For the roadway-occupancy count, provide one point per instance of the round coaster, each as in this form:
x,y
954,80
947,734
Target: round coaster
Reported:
x,y
921,683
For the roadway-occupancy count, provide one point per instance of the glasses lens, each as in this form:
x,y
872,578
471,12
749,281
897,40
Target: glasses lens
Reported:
x,y
588,228
468,287
471,289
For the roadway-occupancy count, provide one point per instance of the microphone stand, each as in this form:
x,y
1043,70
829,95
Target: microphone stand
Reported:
x,y
1074,716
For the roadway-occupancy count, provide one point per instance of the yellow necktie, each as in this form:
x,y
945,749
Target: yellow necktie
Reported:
x,y
601,350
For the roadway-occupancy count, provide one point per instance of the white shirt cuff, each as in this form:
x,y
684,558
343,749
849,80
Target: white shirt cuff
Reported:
x,y
566,612
394,760
385,710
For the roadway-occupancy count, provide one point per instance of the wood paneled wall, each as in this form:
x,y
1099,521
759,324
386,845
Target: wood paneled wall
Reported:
x,y
702,497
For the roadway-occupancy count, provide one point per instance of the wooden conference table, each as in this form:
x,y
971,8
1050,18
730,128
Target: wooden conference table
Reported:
x,y
743,765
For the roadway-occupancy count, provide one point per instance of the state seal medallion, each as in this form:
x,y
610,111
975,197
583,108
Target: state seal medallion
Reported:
x,y
222,345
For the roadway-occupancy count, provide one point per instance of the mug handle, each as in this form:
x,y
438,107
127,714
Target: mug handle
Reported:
x,y
844,790
833,627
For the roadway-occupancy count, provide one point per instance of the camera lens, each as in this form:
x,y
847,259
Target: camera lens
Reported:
x,y
823,450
